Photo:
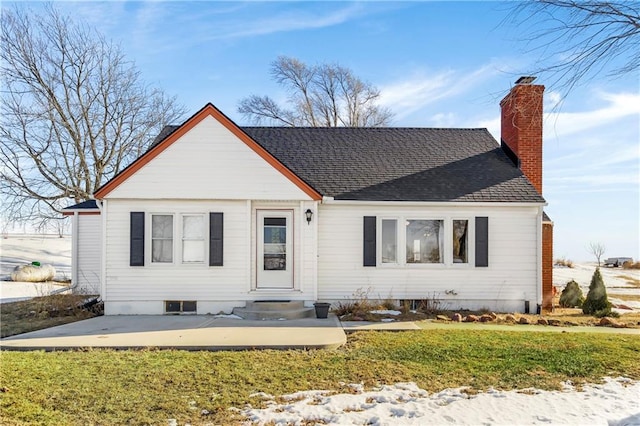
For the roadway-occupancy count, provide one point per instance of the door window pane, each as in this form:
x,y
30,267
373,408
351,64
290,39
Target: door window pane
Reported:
x,y
389,241
161,238
460,241
425,241
275,244
193,239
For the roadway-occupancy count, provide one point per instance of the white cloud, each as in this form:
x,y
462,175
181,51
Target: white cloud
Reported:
x,y
425,88
443,120
291,21
617,106
206,22
196,23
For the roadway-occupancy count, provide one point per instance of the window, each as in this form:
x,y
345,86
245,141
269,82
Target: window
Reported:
x,y
152,235
425,242
161,238
446,241
193,239
180,306
275,243
389,241
460,241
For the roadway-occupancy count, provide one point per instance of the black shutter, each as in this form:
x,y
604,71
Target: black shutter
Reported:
x,y
216,222
136,242
369,258
482,241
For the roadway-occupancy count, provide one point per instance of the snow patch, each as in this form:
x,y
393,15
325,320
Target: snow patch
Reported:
x,y
385,312
228,316
615,402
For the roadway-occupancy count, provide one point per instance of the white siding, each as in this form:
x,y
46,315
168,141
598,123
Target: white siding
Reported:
x,y
229,285
89,253
509,280
209,160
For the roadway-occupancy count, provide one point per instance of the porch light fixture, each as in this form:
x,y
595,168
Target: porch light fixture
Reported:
x,y
308,214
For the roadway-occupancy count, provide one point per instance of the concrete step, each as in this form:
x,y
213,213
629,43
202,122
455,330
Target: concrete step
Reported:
x,y
274,310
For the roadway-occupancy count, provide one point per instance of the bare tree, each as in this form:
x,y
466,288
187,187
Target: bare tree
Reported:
x,y
319,96
74,113
580,39
596,249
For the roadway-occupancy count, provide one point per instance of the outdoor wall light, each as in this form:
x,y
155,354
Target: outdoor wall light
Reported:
x,y
309,215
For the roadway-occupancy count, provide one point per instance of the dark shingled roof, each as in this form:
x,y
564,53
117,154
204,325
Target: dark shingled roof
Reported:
x,y
166,131
396,164
85,205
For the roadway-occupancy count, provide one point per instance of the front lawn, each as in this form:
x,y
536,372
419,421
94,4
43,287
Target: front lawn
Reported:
x,y
152,386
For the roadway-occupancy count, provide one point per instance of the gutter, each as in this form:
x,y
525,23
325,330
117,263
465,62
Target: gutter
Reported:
x,y
331,200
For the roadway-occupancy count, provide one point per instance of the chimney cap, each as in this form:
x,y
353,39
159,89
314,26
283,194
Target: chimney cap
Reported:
x,y
525,80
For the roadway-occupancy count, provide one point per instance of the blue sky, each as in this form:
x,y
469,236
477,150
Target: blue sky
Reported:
x,y
437,64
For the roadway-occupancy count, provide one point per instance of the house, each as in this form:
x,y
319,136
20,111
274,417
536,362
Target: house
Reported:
x,y
215,215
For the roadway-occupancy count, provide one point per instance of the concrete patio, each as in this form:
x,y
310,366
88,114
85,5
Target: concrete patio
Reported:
x,y
188,332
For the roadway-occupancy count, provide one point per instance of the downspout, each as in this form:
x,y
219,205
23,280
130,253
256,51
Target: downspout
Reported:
x,y
74,253
103,257
539,249
315,250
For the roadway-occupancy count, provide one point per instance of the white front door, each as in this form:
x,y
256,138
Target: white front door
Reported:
x,y
275,249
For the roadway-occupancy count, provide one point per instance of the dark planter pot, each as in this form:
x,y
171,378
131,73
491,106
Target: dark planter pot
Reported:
x,y
322,309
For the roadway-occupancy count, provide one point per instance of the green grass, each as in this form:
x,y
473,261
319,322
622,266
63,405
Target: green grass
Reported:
x,y
149,387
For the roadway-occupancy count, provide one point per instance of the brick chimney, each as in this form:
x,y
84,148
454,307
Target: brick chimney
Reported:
x,y
521,128
521,139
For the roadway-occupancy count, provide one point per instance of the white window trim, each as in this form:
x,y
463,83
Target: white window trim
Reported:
x,y
379,262
177,240
404,241
471,242
205,231
401,239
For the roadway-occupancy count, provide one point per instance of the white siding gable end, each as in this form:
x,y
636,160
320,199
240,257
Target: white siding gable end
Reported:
x,y
208,162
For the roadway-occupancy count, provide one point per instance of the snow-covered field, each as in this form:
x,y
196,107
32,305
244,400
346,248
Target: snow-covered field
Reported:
x,y
618,281
615,402
23,249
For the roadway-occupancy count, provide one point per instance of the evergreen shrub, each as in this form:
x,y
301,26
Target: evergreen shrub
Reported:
x,y
597,301
571,296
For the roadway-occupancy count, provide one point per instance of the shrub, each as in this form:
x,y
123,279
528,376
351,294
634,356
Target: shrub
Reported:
x,y
571,296
597,301
631,265
564,262
359,305
389,304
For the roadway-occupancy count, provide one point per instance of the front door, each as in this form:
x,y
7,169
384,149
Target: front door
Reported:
x,y
275,249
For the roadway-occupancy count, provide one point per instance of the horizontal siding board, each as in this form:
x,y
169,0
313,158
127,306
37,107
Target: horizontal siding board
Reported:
x,y
196,281
511,274
209,159
230,282
89,253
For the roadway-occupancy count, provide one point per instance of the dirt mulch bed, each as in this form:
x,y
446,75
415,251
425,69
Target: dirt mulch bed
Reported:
x,y
44,312
559,317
